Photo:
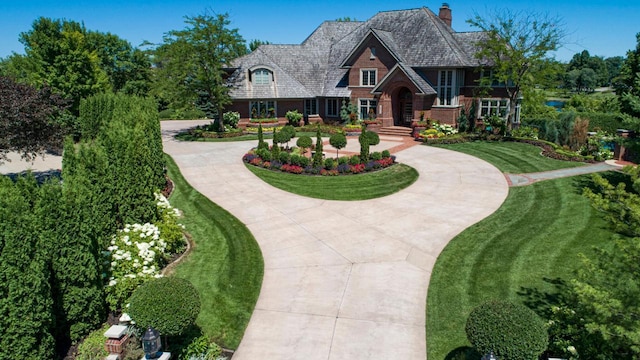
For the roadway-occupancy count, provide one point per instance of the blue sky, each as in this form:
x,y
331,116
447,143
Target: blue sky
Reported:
x,y
605,28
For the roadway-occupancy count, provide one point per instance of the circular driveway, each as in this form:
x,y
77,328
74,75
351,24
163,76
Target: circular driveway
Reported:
x,y
343,280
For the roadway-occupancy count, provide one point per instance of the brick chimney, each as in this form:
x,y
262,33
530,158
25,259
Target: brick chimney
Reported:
x,y
445,14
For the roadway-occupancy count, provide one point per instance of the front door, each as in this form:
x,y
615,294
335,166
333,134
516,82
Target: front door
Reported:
x,y
405,108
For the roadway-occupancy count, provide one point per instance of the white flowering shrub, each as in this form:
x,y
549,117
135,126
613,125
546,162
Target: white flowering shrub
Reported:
x,y
138,252
445,129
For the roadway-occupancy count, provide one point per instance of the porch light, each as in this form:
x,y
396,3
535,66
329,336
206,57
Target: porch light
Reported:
x,y
151,343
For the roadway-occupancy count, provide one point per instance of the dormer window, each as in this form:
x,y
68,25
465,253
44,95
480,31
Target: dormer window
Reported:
x,y
261,77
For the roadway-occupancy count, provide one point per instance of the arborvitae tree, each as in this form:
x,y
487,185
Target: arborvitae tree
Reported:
x,y
25,295
261,143
364,145
275,149
317,157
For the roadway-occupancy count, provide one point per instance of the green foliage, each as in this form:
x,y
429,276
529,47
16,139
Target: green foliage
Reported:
x,y
261,143
354,160
231,118
517,46
202,349
364,145
304,143
329,163
525,132
92,347
317,157
287,133
27,119
338,141
25,293
373,138
284,157
168,304
294,117
386,153
275,148
376,156
190,63
512,331
348,112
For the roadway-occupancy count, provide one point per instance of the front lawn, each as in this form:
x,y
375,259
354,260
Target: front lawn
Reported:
x,y
511,157
537,234
345,187
225,264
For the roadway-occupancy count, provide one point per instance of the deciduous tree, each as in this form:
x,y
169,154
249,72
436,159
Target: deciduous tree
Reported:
x,y
28,119
190,62
515,47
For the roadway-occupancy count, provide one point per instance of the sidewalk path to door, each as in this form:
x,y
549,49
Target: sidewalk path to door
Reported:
x,y
343,280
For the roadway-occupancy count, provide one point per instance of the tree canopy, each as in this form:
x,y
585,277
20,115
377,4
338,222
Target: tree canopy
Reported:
x,y
515,48
190,63
28,119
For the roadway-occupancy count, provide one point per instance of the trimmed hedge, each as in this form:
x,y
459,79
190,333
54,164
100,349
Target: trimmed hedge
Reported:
x,y
512,331
168,304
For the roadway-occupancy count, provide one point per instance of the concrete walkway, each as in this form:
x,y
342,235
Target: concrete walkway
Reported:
x,y
530,178
343,280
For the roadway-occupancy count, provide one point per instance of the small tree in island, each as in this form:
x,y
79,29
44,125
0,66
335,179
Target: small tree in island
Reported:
x,y
338,141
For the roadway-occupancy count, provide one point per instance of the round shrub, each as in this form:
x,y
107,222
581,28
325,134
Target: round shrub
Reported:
x,y
373,137
304,161
329,163
376,156
354,160
295,160
304,142
168,304
284,157
264,154
343,160
386,153
338,140
511,331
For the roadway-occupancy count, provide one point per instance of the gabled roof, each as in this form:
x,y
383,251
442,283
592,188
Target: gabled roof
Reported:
x,y
419,81
384,37
416,38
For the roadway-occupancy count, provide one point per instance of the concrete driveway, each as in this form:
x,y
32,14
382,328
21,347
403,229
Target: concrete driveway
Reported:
x,y
343,280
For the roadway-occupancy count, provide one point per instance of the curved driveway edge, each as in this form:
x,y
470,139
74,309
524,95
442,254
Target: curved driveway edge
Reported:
x,y
343,280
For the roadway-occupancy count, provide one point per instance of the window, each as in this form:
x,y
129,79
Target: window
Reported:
x,y
490,107
264,109
333,107
368,109
261,77
368,77
447,91
310,107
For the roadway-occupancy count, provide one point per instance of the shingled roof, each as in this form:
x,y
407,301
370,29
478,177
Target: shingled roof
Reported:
x,y
418,38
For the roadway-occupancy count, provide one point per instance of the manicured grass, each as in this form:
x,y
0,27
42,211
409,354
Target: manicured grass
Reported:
x,y
537,234
346,187
225,265
511,157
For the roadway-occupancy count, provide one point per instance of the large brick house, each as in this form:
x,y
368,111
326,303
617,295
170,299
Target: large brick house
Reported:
x,y
395,67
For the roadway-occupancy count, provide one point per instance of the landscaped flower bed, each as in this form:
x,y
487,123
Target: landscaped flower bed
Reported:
x,y
298,164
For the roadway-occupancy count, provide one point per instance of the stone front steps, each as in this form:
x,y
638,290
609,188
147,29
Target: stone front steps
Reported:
x,y
395,131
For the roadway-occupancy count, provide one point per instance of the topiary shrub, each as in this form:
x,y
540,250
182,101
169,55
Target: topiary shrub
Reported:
x,y
342,160
386,153
354,160
168,304
364,145
376,156
304,143
317,157
338,141
284,157
511,331
373,137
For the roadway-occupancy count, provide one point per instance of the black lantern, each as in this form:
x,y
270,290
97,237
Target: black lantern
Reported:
x,y
489,356
151,343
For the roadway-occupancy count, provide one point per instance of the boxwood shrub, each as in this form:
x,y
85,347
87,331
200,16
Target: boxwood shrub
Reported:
x,y
168,304
512,331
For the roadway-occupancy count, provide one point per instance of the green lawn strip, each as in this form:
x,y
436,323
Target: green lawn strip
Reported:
x,y
511,157
346,187
225,265
536,234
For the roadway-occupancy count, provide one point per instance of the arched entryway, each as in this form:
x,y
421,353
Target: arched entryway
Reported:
x,y
403,113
